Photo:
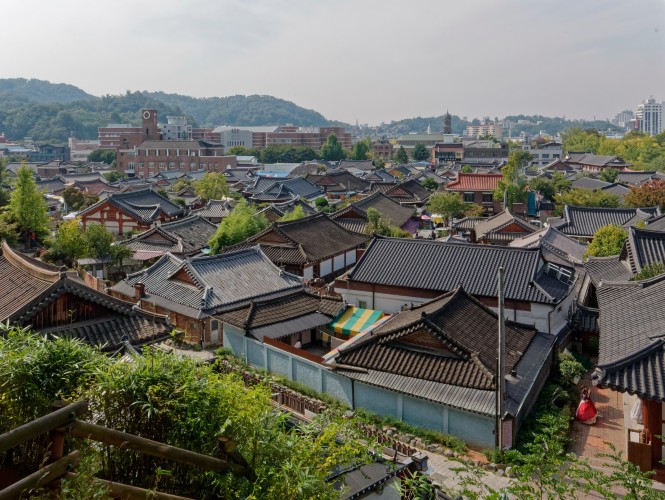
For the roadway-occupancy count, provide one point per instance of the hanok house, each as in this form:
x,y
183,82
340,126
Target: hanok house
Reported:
x,y
131,211
354,217
631,360
289,320
312,247
502,228
583,222
595,163
52,303
394,273
435,366
276,211
182,238
477,188
339,184
409,192
191,291
284,190
215,211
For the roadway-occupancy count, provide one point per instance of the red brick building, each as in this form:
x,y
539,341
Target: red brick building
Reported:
x,y
120,136
152,157
478,188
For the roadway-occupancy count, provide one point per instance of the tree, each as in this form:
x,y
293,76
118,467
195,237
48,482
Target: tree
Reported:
x,y
474,210
297,213
75,199
650,194
240,224
649,271
180,184
212,186
362,149
401,157
513,184
430,184
448,205
102,156
379,162
420,152
332,150
608,240
7,230
100,244
112,176
466,169
586,198
4,193
609,174
27,207
69,242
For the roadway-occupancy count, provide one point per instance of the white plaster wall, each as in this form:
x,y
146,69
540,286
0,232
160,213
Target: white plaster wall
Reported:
x,y
338,262
350,257
326,267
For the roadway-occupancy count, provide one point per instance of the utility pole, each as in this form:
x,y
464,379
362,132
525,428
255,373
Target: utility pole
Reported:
x,y
501,362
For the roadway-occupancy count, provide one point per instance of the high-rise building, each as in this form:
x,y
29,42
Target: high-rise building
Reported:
x,y
649,116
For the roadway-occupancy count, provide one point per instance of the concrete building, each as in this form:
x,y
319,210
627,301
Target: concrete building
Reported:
x,y
649,116
176,129
494,129
545,153
286,135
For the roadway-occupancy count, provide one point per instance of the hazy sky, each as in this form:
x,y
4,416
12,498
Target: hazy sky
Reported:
x,y
370,60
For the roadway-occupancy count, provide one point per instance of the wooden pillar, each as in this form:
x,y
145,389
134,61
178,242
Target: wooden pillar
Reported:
x,y
653,419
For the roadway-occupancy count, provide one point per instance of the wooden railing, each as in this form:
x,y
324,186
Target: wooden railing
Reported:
x,y
63,421
389,441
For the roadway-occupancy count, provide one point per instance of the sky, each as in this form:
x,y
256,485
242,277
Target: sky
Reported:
x,y
367,60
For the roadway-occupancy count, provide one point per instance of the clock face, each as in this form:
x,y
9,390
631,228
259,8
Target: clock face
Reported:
x,y
146,114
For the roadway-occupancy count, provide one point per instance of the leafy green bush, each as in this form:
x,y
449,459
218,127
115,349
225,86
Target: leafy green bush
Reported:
x,y
569,369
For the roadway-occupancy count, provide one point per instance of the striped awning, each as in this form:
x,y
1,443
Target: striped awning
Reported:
x,y
354,320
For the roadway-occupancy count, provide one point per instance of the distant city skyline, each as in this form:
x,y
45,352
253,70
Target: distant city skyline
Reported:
x,y
372,61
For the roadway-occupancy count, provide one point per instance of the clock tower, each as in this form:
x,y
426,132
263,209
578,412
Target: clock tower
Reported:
x,y
150,128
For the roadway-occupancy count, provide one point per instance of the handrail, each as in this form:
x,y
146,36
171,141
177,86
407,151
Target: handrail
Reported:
x,y
41,477
41,425
120,439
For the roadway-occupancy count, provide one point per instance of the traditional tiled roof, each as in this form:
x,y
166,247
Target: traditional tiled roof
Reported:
x,y
585,221
492,229
409,191
467,223
632,338
637,178
287,190
214,209
309,239
357,164
432,265
144,205
555,242
354,217
54,185
200,286
282,313
656,223
645,247
589,183
607,269
380,176
29,286
450,340
181,237
596,160
474,182
278,210
339,181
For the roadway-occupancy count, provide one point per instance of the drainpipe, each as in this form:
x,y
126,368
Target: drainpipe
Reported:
x,y
549,316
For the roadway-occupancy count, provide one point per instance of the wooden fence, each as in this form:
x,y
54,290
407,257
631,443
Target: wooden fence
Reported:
x,y
63,421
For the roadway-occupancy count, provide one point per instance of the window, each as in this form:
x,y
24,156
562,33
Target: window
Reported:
x,y
488,197
561,273
469,197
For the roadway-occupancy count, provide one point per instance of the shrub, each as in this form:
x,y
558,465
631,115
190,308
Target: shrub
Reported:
x,y
569,369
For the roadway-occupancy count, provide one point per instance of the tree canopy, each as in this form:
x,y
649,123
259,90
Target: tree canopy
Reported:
x,y
420,152
297,213
240,224
212,186
607,241
72,242
401,157
580,197
377,223
75,199
27,206
332,150
514,182
549,187
650,194
362,150
103,156
448,205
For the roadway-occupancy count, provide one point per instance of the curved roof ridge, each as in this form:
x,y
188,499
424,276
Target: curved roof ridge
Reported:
x,y
25,263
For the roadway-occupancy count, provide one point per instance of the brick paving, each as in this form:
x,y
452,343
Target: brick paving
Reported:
x,y
589,440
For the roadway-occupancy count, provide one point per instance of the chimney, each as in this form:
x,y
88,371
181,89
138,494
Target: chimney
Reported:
x,y
139,290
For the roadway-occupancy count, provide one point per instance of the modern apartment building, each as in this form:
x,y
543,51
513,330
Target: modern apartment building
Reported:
x,y
649,116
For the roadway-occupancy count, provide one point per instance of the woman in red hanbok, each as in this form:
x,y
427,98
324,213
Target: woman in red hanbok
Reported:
x,y
586,411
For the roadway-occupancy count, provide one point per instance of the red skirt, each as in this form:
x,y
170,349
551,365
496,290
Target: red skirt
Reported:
x,y
586,412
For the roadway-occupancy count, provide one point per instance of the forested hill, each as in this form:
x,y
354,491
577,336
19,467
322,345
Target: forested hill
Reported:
x,y
54,112
42,91
242,110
